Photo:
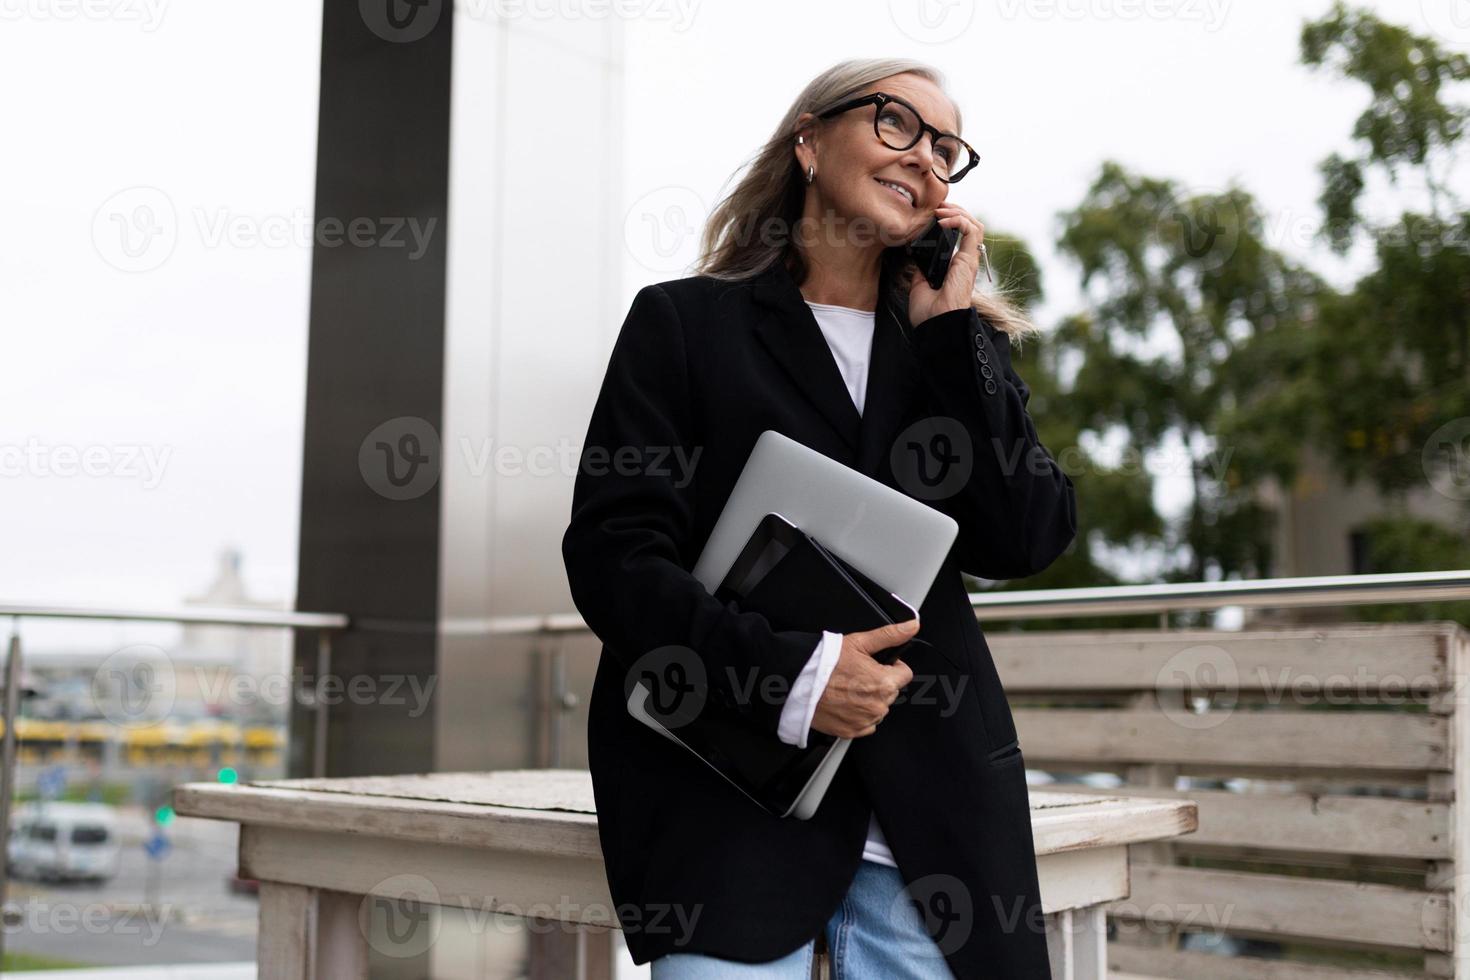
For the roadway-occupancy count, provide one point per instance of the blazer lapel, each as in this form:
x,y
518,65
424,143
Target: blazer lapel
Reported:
x,y
786,326
892,378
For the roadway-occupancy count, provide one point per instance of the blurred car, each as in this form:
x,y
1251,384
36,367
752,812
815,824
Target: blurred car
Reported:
x,y
64,841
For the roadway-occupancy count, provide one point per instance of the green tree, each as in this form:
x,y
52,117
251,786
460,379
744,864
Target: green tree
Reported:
x,y
1180,281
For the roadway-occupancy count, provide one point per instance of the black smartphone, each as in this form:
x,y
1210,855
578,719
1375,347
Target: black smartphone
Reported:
x,y
932,252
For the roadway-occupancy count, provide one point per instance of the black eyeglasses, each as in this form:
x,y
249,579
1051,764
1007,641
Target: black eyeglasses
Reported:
x,y
900,126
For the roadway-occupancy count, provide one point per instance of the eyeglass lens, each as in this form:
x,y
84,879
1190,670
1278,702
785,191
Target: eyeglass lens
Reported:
x,y
898,127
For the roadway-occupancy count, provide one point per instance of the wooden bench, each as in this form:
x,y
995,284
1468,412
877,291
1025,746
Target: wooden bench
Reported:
x,y
524,842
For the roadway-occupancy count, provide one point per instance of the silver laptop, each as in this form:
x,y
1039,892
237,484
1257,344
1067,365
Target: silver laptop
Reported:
x,y
898,542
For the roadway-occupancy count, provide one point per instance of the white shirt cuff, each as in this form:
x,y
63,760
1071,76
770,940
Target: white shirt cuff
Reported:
x,y
806,691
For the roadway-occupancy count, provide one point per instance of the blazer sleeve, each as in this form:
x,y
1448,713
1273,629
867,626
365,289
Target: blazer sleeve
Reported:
x,y
629,544
1017,511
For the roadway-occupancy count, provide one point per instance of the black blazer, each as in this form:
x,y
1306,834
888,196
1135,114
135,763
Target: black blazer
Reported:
x,y
699,369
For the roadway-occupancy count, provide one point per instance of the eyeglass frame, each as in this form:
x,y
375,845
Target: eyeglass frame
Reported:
x,y
880,99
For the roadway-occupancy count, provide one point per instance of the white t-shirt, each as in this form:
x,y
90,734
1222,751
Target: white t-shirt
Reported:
x,y
849,334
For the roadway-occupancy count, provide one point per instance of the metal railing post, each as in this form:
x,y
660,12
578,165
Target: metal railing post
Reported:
x,y
319,704
7,771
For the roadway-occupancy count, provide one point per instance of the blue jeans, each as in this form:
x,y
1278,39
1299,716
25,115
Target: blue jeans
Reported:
x,y
875,933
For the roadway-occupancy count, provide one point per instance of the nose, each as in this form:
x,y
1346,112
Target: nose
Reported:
x,y
920,162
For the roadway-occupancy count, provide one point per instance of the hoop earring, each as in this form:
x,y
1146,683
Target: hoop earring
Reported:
x,y
811,168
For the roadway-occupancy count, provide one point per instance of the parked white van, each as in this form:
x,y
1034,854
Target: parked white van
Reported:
x,y
64,841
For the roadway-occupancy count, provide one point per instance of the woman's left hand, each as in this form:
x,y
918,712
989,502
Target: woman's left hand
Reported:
x,y
959,282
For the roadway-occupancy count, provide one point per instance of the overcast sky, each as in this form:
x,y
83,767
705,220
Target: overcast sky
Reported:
x,y
182,386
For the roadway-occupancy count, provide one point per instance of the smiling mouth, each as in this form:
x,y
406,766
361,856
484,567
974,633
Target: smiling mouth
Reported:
x,y
897,193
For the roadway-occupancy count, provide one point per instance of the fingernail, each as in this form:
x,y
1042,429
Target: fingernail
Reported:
x,y
911,624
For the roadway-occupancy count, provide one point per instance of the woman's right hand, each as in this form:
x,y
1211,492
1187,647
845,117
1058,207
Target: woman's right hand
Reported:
x,y
860,689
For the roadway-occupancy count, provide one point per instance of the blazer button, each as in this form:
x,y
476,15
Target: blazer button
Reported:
x,y
979,341
989,386
986,370
982,357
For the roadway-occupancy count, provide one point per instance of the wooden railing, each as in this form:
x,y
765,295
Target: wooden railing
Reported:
x,y
1331,837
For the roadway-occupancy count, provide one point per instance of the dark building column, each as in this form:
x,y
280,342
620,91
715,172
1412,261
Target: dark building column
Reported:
x,y
370,497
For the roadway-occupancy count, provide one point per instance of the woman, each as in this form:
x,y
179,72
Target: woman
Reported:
x,y
805,319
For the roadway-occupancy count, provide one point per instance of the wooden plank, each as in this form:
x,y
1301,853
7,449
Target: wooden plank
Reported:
x,y
1357,740
1059,821
543,832
1356,825
1079,879
490,882
529,789
1460,740
1392,656
341,947
1143,963
287,917
1106,821
1280,905
1077,945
